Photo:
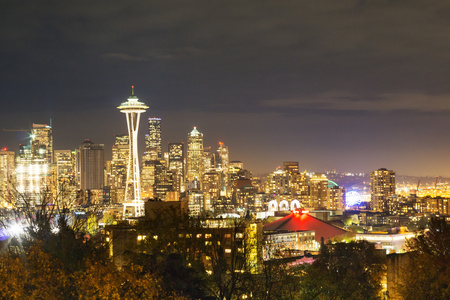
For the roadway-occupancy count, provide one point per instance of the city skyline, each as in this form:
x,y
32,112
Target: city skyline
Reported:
x,y
353,86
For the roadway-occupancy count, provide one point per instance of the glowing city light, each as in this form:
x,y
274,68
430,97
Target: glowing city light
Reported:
x,y
352,198
15,229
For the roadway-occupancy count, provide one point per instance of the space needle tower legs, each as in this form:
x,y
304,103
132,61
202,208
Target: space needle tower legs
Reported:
x,y
132,108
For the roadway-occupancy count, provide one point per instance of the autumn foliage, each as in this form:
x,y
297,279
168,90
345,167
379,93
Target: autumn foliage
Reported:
x,y
40,275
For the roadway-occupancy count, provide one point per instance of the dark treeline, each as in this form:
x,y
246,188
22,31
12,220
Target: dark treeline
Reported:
x,y
65,261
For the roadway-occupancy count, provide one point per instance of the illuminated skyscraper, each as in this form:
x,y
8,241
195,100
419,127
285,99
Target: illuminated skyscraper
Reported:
x,y
208,161
42,142
6,172
176,164
318,191
132,108
153,139
118,167
336,198
211,188
163,181
195,156
222,167
299,184
119,162
33,164
90,165
291,167
65,171
382,186
223,160
278,182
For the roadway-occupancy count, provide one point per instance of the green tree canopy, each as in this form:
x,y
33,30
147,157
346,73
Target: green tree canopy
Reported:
x,y
344,271
427,273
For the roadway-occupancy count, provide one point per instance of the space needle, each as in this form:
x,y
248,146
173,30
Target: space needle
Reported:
x,y
132,108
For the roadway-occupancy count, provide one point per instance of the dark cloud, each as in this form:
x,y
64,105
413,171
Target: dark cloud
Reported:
x,y
298,66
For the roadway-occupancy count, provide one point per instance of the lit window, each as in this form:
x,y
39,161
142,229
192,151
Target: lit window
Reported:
x,y
227,250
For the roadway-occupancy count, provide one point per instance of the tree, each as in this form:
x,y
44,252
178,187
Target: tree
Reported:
x,y
40,275
228,259
203,260
60,255
102,280
344,271
164,252
54,221
279,280
427,273
35,275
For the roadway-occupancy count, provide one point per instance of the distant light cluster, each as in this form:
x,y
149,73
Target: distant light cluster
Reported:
x,y
352,198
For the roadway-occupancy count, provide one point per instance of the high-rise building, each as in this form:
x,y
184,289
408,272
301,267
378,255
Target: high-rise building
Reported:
x,y
89,165
153,140
65,171
211,187
208,161
42,142
147,178
336,198
157,180
194,156
299,184
318,191
278,182
236,165
222,167
33,165
133,109
176,164
119,162
6,177
291,167
223,161
163,181
382,186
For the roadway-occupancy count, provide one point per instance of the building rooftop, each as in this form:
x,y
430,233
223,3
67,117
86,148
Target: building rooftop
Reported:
x,y
298,221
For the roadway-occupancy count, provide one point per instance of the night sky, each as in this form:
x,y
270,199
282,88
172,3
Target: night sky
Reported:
x,y
346,85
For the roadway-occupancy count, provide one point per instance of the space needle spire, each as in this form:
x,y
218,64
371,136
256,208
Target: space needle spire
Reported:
x,y
133,108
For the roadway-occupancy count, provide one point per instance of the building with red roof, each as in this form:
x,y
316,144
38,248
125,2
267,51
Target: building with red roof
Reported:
x,y
296,232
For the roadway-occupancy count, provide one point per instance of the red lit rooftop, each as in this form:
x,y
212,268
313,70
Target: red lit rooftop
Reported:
x,y
302,221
